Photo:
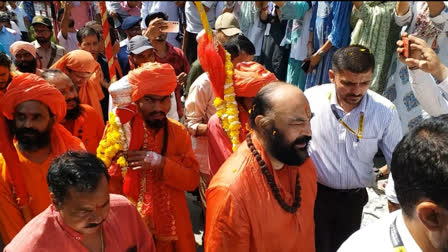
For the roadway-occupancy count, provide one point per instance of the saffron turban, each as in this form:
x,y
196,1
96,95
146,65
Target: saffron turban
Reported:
x,y
249,78
22,45
82,61
77,60
152,78
30,87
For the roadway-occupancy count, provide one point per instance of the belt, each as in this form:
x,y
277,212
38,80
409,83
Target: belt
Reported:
x,y
328,189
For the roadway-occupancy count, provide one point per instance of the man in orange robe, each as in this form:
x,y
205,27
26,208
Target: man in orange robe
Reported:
x,y
81,119
248,79
262,198
161,161
86,74
34,109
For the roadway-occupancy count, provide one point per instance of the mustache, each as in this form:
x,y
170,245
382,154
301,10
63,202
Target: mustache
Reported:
x,y
93,225
30,131
302,140
157,113
353,95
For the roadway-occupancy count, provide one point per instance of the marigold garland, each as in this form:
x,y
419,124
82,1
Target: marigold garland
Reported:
x,y
227,109
113,142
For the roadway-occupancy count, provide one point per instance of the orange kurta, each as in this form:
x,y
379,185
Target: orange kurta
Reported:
x,y
243,215
180,174
35,178
88,127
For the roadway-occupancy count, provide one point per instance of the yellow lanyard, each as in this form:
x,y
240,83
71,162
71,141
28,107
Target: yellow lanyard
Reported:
x,y
360,125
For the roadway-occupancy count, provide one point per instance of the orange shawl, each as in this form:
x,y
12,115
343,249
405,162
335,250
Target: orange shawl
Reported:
x,y
83,61
249,78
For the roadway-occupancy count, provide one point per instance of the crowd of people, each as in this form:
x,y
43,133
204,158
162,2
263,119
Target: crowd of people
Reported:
x,y
111,111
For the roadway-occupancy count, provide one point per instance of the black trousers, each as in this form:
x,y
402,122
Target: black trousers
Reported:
x,y
337,215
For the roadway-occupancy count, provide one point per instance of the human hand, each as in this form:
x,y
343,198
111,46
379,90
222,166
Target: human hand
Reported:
x,y
113,14
182,78
67,6
279,3
155,28
314,61
144,160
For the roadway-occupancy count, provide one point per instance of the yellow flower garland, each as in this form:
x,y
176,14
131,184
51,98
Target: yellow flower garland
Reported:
x,y
113,142
226,109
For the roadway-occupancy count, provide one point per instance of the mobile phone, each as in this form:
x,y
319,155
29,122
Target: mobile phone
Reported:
x,y
406,47
305,65
172,26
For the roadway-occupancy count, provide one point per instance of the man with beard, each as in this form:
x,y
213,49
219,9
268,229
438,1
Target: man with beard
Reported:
x,y
81,119
420,170
34,109
25,57
161,162
350,124
86,74
167,53
47,51
5,71
248,79
262,198
83,215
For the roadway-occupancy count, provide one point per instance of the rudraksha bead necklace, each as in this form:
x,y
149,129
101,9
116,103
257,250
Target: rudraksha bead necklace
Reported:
x,y
270,180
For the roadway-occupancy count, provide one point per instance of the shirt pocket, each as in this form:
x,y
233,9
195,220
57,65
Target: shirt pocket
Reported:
x,y
365,149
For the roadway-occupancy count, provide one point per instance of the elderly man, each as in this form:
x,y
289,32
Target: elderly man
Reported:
x,y
48,51
34,109
420,170
83,215
262,198
25,57
161,162
248,79
350,124
5,71
84,71
81,119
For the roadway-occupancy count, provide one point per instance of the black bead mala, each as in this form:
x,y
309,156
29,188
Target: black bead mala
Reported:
x,y
270,180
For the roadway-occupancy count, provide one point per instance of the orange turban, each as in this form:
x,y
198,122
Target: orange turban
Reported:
x,y
152,79
83,61
19,45
249,78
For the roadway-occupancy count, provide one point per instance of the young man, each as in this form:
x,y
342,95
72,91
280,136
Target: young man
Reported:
x,y
81,119
262,197
161,162
167,53
130,26
420,171
67,34
48,51
34,109
22,20
83,215
350,124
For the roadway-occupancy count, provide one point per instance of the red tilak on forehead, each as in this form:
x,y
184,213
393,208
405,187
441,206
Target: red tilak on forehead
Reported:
x,y
307,109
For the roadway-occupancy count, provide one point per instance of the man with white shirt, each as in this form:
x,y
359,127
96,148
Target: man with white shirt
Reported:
x,y
420,170
22,20
350,122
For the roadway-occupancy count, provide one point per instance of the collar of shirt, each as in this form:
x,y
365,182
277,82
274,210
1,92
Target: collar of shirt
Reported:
x,y
72,233
406,237
361,107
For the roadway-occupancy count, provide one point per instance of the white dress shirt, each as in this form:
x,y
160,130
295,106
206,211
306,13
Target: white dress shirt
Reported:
x,y
432,97
376,236
343,162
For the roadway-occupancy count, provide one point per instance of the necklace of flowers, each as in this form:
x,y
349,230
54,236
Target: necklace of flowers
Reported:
x,y
227,109
270,180
112,143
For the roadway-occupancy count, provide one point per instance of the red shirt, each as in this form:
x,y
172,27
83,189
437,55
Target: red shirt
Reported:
x,y
176,58
123,229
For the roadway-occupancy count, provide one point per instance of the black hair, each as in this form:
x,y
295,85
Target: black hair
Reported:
x,y
353,58
261,103
420,165
5,60
85,32
237,44
155,15
80,170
